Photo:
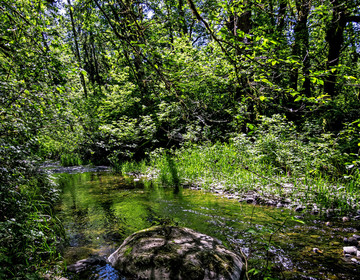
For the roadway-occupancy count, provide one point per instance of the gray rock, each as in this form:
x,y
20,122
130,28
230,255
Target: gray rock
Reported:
x,y
351,250
50,276
299,208
357,237
287,201
351,241
250,199
168,252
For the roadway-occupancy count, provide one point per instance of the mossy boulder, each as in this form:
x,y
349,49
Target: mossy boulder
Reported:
x,y
168,252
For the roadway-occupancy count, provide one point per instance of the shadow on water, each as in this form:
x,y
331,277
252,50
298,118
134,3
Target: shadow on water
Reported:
x,y
99,210
173,173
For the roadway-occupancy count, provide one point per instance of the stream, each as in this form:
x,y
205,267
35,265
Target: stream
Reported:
x,y
100,209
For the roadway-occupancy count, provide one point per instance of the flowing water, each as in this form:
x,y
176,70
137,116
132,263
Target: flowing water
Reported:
x,y
100,209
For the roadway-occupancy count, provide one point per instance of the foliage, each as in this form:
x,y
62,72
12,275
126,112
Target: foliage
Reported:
x,y
273,158
243,93
30,233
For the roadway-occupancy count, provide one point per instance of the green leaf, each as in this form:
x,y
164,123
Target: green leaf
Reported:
x,y
297,220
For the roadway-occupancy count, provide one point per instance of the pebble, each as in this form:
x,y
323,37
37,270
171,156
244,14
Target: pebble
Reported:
x,y
250,199
270,202
345,219
351,241
315,211
351,250
327,224
356,236
287,201
354,260
52,277
299,208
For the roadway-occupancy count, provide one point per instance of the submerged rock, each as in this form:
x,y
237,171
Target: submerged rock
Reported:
x,y
168,252
85,264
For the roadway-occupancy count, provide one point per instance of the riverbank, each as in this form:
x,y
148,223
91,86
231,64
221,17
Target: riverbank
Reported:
x,y
230,170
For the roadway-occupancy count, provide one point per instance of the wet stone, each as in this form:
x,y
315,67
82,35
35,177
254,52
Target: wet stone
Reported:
x,y
85,264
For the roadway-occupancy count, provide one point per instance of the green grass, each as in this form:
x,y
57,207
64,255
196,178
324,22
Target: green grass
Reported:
x,y
70,159
242,169
31,235
275,159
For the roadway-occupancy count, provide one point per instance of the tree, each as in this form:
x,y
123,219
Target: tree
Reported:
x,y
343,12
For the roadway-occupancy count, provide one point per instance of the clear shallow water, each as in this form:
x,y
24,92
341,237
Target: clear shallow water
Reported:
x,y
100,209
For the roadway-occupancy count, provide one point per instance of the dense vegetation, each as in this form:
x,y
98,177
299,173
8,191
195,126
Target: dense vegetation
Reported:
x,y
260,91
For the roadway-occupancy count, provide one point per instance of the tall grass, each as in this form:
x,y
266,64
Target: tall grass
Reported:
x,y
30,233
130,167
228,167
70,159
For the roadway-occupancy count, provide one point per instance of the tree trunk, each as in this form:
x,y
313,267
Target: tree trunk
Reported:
x,y
335,40
301,46
77,51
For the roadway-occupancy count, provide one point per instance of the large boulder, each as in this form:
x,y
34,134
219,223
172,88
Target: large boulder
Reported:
x,y
168,252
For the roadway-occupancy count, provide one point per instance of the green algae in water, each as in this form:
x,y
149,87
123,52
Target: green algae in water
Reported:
x,y
99,210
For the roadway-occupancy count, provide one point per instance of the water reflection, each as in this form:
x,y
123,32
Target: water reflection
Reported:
x,y
100,210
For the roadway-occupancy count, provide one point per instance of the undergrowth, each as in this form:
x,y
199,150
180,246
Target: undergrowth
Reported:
x,y
275,159
30,234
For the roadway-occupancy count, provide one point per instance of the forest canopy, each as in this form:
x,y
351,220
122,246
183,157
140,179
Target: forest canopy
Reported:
x,y
107,79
